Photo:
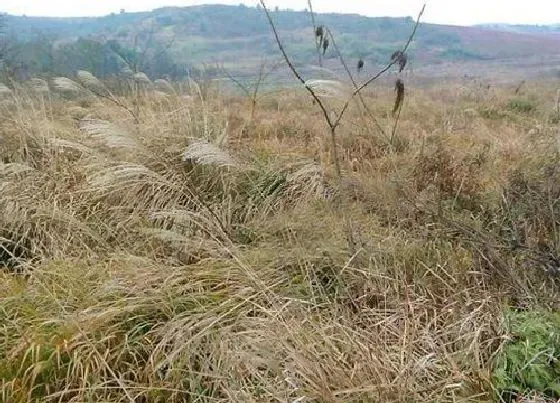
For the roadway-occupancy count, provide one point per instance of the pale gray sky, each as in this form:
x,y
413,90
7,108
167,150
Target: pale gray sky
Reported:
x,y
461,12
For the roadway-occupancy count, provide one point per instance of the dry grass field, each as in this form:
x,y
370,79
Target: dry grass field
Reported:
x,y
195,255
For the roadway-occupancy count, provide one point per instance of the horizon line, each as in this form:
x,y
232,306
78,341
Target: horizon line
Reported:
x,y
478,24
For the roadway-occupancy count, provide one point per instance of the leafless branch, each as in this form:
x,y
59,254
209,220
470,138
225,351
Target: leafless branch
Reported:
x,y
111,97
253,93
383,70
354,83
241,86
292,67
334,123
317,43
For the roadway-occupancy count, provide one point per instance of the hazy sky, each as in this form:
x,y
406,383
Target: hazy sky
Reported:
x,y
461,12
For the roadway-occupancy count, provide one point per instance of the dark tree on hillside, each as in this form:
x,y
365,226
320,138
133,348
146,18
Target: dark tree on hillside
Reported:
x,y
3,41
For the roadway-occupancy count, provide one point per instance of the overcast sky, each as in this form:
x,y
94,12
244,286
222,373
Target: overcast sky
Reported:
x,y
461,12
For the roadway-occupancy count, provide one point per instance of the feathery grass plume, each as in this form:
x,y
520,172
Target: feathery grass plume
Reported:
x,y
160,95
107,133
64,144
64,84
4,89
39,85
399,88
91,82
142,78
77,112
127,72
164,86
328,88
400,58
308,180
205,153
118,176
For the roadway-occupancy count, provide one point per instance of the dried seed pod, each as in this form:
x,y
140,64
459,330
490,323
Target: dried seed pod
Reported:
x,y
360,65
401,58
325,45
319,32
399,88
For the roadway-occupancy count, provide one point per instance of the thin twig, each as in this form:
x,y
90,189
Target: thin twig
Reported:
x,y
395,126
382,71
354,83
317,44
253,94
334,123
242,86
109,96
292,67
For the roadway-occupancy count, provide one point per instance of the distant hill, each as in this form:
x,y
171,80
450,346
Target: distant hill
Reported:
x,y
240,37
553,28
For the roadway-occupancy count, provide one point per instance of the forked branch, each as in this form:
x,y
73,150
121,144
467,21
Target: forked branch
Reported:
x,y
383,70
334,123
292,67
251,91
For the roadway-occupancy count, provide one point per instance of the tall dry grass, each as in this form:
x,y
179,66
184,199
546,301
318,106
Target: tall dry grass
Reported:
x,y
198,253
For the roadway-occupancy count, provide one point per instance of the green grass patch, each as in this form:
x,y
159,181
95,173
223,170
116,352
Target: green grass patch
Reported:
x,y
521,105
530,361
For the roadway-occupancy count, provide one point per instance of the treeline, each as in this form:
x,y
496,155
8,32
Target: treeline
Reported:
x,y
234,35
46,57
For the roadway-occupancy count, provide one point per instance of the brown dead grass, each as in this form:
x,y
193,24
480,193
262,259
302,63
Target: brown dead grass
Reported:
x,y
149,278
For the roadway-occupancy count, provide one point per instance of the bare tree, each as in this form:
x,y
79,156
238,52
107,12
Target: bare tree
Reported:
x,y
333,119
252,90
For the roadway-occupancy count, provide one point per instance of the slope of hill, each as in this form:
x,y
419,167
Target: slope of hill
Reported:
x,y
239,36
523,28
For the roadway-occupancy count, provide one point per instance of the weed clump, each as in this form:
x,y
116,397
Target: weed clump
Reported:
x,y
521,105
530,361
